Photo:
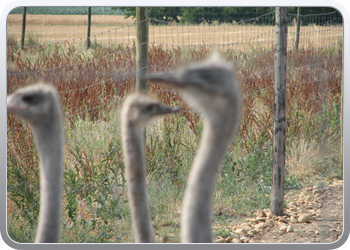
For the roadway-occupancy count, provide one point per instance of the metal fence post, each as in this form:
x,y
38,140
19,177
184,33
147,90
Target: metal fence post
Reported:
x,y
279,113
141,48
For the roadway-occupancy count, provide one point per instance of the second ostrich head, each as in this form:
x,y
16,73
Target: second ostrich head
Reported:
x,y
140,110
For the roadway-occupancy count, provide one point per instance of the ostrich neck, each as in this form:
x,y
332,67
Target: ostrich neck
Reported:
x,y
49,142
134,155
196,213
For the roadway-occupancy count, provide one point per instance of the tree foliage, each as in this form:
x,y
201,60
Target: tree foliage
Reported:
x,y
66,11
197,15
209,15
194,15
158,15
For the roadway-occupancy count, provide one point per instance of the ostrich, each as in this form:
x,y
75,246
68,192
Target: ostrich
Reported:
x,y
39,106
212,87
139,110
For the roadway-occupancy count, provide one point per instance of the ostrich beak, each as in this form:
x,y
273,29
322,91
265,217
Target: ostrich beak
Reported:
x,y
168,78
168,110
12,105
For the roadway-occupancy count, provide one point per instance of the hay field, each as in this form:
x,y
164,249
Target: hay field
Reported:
x,y
107,30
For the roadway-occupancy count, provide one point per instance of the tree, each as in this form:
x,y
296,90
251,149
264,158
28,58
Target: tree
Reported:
x,y
197,15
158,15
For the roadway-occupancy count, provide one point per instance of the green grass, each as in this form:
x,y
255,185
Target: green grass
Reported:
x,y
96,207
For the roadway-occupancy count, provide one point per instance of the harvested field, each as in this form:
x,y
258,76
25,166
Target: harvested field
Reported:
x,y
107,30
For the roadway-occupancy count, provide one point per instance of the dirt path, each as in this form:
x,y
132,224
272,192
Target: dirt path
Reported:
x,y
313,215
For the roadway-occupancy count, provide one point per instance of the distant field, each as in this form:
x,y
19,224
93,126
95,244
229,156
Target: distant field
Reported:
x,y
71,20
61,10
106,30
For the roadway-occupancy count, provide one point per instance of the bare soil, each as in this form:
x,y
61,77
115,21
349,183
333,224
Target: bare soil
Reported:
x,y
322,203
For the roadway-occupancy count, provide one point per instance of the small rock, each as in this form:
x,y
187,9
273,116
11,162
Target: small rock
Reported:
x,y
252,232
293,219
261,213
244,239
235,241
270,222
261,226
222,240
254,221
241,231
283,228
261,219
317,191
283,220
290,229
229,239
303,218
234,236
245,225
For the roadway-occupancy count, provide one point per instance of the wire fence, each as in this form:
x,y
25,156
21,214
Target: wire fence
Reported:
x,y
93,83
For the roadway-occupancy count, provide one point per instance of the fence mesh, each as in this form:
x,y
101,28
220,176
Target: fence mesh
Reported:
x,y
93,83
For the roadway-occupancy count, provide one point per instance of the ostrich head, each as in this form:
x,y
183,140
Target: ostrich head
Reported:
x,y
141,110
36,104
211,85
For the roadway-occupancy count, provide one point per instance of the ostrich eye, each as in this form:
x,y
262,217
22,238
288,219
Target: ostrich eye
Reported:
x,y
33,99
150,107
208,75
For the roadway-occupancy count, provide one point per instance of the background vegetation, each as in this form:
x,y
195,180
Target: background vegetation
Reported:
x,y
197,15
92,85
67,11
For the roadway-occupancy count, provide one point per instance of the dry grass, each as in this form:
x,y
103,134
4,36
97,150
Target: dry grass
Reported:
x,y
75,20
302,158
92,84
108,30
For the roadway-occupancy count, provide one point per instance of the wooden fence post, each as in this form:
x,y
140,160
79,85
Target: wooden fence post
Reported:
x,y
88,41
23,26
279,113
298,29
341,129
141,48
